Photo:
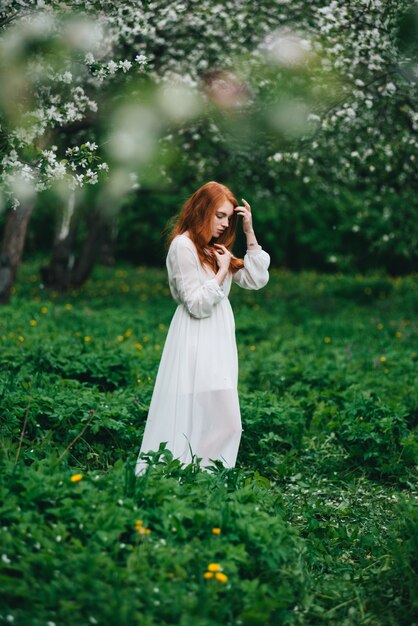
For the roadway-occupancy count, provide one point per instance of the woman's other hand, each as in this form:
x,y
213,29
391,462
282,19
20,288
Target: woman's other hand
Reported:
x,y
223,257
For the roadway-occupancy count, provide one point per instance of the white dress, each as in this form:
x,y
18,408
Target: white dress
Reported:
x,y
194,407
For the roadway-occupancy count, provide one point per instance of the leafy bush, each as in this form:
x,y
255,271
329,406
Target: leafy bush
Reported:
x,y
85,556
399,574
271,428
374,435
105,368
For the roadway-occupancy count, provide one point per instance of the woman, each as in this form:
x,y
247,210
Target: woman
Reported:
x,y
194,406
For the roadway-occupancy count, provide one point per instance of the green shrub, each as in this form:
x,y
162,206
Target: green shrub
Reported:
x,y
72,550
397,576
272,427
375,435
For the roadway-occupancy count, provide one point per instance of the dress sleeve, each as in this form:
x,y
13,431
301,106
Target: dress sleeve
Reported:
x,y
198,298
254,274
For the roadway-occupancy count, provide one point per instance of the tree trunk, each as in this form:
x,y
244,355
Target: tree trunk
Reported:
x,y
57,274
64,270
107,248
90,250
13,244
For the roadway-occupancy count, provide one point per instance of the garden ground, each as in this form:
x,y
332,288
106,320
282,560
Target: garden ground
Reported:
x,y
315,525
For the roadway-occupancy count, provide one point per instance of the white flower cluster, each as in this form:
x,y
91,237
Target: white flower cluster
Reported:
x,y
359,49
356,47
58,96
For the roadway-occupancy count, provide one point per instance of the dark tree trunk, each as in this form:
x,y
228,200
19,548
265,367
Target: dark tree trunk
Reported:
x,y
64,270
13,245
107,248
90,250
57,274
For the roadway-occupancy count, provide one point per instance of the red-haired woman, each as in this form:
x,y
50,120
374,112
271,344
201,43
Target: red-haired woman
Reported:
x,y
194,406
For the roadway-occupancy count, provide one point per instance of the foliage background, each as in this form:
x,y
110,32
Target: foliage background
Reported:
x,y
320,135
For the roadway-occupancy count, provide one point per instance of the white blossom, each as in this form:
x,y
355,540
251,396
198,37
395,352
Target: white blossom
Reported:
x,y
125,65
67,77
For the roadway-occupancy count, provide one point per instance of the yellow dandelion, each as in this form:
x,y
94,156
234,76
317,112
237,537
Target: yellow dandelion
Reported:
x,y
208,575
398,334
361,418
120,337
145,339
128,332
33,322
379,326
140,528
157,347
87,338
216,531
21,338
382,359
221,577
138,345
253,347
214,567
44,310
68,307
76,478
327,339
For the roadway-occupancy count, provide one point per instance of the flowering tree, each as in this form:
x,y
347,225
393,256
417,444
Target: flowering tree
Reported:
x,y
332,134
56,66
366,141
59,86
318,116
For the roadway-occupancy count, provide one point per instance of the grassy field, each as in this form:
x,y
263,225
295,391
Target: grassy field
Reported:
x,y
315,525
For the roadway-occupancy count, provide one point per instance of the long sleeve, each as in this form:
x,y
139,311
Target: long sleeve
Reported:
x,y
254,274
198,298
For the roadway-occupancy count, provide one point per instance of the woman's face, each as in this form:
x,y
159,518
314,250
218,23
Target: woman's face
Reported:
x,y
222,218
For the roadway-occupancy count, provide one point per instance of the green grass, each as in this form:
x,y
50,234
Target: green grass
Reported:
x,y
317,521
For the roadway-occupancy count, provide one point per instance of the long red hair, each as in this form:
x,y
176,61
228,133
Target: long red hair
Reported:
x,y
196,217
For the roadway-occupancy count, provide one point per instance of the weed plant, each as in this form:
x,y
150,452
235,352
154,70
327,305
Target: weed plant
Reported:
x,y
316,525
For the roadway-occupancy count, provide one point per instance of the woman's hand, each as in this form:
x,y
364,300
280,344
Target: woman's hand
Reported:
x,y
223,257
247,218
